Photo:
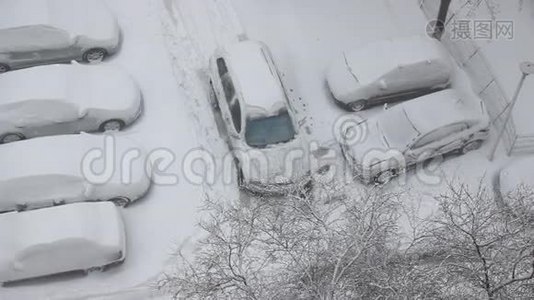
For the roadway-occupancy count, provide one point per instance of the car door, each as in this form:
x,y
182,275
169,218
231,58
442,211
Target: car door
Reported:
x,y
58,45
46,117
454,138
18,47
438,142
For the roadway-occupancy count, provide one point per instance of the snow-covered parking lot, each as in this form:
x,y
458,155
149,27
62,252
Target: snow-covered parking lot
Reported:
x,y
305,36
166,46
166,217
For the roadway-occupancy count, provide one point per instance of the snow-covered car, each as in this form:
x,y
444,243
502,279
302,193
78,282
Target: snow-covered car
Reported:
x,y
71,168
515,178
389,70
259,119
413,132
75,237
35,32
64,99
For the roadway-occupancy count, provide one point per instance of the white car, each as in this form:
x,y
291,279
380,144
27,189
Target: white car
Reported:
x,y
63,169
258,118
74,237
413,132
35,32
64,99
389,70
515,177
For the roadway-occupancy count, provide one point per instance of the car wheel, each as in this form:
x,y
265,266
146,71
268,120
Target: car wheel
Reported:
x,y
94,269
385,177
95,55
239,172
4,68
21,207
112,125
358,105
11,137
121,201
471,146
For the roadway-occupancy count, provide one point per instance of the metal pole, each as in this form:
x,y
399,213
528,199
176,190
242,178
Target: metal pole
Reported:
x,y
439,27
509,116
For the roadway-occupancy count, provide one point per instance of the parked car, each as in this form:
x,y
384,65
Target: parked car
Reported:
x,y
63,99
35,32
53,170
413,132
75,237
258,118
515,178
390,70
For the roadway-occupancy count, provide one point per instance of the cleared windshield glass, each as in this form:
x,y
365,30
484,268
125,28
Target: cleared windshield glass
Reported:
x,y
262,132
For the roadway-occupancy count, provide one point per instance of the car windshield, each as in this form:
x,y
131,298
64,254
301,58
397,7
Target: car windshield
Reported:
x,y
396,129
262,132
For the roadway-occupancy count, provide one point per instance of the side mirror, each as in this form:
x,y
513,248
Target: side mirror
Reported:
x,y
382,84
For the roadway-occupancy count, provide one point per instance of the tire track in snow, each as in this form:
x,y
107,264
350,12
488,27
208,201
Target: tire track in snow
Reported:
x,y
193,29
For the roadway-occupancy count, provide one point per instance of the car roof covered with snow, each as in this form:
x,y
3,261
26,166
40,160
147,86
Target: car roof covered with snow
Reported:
x,y
439,109
33,237
77,17
371,62
83,86
57,155
256,78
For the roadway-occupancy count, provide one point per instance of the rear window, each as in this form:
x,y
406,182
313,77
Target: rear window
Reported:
x,y
262,132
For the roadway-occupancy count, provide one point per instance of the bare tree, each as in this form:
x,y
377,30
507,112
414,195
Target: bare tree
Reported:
x,y
486,250
348,247
291,248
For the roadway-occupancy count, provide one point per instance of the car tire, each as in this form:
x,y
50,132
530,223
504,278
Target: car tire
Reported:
x,y
239,172
385,176
358,105
11,138
95,55
4,68
471,146
121,201
112,125
94,269
21,207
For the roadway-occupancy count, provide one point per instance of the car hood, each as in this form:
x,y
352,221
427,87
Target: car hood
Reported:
x,y
281,164
370,150
343,84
